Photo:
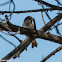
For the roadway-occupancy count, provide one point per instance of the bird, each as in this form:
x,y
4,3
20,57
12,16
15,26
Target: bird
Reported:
x,y
28,24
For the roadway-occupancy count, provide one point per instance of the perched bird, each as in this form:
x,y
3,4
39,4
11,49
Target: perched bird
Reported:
x,y
28,24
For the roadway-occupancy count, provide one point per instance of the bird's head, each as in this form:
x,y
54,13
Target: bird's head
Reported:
x,y
28,19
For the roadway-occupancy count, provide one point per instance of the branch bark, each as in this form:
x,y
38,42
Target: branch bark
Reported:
x,y
26,11
52,53
48,4
36,34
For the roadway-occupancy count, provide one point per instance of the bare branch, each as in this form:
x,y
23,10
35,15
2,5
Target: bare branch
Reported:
x,y
36,10
16,37
4,3
48,4
43,18
51,23
35,34
22,46
52,53
38,34
42,29
7,41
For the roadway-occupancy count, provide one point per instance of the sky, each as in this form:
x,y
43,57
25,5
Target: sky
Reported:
x,y
44,48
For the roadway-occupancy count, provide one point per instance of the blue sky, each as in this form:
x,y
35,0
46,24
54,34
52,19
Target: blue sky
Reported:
x,y
44,46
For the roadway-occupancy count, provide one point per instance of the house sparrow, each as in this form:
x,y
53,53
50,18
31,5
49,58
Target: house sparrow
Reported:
x,y
28,24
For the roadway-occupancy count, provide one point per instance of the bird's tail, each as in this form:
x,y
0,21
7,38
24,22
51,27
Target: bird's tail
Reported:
x,y
34,43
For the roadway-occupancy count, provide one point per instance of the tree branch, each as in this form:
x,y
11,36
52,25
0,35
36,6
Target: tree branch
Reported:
x,y
51,23
36,10
34,33
21,46
48,4
52,53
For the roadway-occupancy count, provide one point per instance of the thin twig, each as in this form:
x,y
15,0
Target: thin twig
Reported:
x,y
36,10
43,18
52,53
15,37
7,41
